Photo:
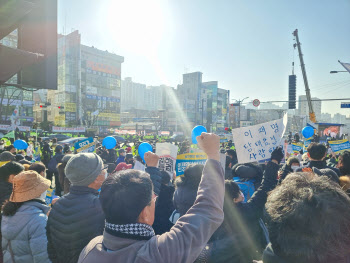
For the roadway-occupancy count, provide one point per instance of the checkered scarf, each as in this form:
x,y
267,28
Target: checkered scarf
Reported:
x,y
133,231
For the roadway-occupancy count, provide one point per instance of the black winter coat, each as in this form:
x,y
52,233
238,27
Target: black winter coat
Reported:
x,y
74,220
164,209
241,238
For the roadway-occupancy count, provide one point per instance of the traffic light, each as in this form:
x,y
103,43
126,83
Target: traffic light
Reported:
x,y
292,91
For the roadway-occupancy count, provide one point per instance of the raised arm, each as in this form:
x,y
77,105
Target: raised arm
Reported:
x,y
188,237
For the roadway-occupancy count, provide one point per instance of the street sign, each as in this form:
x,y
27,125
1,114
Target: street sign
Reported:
x,y
256,102
344,105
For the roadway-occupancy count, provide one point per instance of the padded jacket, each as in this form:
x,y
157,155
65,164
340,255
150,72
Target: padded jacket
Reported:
x,y
74,220
26,232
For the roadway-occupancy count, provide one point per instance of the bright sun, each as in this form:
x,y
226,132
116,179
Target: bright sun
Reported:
x,y
136,25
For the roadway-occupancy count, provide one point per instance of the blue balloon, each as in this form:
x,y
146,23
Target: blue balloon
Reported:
x,y
109,142
20,145
197,131
144,148
308,132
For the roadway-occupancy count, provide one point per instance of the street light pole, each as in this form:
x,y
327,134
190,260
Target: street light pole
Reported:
x,y
239,110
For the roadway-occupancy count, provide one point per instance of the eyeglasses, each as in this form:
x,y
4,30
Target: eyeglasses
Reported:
x,y
153,199
105,167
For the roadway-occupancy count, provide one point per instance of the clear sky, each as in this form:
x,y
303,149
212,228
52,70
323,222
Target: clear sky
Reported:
x,y
247,46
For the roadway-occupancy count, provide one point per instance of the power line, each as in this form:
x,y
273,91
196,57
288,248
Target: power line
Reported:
x,y
304,100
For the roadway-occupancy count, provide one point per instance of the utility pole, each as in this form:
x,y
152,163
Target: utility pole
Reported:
x,y
239,102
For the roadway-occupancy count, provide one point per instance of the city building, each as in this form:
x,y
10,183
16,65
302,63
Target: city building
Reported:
x,y
339,118
303,107
204,102
189,95
133,95
89,86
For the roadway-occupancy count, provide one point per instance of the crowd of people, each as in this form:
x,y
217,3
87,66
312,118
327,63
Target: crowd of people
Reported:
x,y
107,211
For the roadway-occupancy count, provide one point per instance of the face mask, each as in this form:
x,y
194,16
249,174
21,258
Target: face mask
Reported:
x,y
294,167
43,196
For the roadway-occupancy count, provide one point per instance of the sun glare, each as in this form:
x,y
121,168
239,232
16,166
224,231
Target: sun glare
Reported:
x,y
136,25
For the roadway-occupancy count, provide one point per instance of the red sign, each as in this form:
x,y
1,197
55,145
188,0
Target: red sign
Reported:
x,y
256,102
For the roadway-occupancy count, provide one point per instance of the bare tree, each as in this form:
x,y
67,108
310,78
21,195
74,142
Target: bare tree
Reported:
x,y
89,106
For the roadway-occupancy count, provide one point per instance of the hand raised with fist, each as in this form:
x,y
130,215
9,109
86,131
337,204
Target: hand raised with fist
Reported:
x,y
210,144
151,159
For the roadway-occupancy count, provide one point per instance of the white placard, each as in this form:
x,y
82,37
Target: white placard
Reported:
x,y
167,153
139,166
256,143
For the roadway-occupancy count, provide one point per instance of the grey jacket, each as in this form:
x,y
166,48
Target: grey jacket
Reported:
x,y
26,231
185,240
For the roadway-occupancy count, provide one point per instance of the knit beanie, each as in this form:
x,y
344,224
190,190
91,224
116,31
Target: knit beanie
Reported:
x,y
83,168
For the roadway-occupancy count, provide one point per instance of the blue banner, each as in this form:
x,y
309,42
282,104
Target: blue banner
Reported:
x,y
87,145
340,145
184,160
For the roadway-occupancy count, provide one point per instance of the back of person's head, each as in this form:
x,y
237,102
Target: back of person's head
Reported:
x,y
165,177
54,140
6,156
344,163
191,177
316,151
39,167
308,218
83,169
292,160
10,147
187,187
124,195
11,168
58,149
232,190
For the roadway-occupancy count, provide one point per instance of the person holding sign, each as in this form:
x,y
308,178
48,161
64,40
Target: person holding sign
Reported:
x,y
129,236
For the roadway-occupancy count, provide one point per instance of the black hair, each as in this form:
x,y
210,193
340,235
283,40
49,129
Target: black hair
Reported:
x,y
10,208
317,151
10,168
124,195
308,218
232,190
38,167
9,148
345,163
292,160
24,161
165,177
54,140
191,178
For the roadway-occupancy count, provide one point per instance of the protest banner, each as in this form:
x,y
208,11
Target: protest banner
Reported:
x,y
297,146
340,146
67,129
85,146
167,153
50,195
139,166
9,127
256,143
184,160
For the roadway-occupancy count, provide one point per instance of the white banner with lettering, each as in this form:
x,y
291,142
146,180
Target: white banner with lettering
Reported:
x,y
256,143
67,129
